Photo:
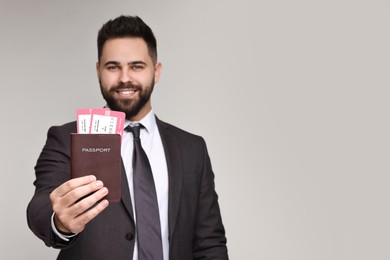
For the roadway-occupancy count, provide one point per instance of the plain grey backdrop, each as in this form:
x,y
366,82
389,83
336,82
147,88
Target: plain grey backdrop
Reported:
x,y
292,98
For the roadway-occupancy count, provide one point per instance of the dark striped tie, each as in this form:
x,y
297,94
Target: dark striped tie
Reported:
x,y
145,200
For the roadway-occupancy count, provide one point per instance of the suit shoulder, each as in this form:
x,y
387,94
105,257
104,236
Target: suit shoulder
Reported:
x,y
178,132
67,128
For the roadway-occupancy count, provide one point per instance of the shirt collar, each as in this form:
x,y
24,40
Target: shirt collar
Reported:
x,y
149,122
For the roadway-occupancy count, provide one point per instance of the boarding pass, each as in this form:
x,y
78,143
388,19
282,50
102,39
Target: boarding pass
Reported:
x,y
100,121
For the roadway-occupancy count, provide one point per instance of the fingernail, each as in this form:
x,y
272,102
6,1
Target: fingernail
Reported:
x,y
104,190
104,203
99,183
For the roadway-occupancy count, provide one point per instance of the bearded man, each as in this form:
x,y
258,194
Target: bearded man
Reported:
x,y
73,214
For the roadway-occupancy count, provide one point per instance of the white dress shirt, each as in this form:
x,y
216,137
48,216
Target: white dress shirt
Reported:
x,y
152,144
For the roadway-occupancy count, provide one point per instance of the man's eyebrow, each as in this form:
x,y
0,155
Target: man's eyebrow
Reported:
x,y
137,62
111,62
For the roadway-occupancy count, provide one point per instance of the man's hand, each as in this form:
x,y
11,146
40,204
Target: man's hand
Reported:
x,y
72,203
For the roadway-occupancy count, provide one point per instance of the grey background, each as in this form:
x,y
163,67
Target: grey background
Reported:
x,y
291,97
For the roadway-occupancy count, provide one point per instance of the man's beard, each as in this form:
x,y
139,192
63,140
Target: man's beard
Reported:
x,y
131,107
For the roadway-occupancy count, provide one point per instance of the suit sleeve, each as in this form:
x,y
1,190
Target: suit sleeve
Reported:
x,y
210,240
52,169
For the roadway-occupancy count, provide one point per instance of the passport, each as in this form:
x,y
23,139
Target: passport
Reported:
x,y
99,155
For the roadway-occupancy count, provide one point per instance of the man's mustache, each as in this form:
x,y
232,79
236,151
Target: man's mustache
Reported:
x,y
127,85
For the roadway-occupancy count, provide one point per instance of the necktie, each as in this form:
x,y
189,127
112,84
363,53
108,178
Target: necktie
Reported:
x,y
145,200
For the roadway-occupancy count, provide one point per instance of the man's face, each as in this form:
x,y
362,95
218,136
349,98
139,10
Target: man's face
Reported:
x,y
127,76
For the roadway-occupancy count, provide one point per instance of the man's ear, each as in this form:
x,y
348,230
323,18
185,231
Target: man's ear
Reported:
x,y
157,72
98,69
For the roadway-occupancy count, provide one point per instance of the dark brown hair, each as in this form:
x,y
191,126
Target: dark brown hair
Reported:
x,y
127,26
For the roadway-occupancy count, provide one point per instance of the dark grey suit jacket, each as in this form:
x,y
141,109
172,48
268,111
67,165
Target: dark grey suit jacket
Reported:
x,y
195,226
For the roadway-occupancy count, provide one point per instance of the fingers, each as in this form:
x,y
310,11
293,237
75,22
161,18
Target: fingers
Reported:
x,y
87,216
73,190
72,184
87,202
80,192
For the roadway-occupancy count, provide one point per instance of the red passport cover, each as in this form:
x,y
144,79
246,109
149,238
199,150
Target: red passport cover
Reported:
x,y
99,155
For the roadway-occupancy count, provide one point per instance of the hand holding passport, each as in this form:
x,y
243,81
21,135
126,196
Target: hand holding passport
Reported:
x,y
96,148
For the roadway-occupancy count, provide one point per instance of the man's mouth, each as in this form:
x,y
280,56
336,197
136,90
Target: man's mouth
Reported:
x,y
126,92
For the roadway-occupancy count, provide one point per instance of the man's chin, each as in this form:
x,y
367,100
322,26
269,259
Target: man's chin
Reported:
x,y
127,110
122,105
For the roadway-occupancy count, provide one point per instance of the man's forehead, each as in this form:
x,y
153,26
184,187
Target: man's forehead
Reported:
x,y
127,42
125,49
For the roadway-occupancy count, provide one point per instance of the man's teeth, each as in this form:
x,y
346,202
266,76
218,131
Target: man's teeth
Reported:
x,y
126,92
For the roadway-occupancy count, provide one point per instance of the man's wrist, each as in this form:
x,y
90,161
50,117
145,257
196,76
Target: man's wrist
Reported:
x,y
60,234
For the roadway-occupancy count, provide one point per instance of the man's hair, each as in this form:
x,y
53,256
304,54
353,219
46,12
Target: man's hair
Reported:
x,y
127,26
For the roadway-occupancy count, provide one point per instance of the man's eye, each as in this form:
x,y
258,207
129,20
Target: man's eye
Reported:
x,y
136,67
113,67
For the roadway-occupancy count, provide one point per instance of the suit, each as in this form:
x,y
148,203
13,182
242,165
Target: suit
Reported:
x,y
194,220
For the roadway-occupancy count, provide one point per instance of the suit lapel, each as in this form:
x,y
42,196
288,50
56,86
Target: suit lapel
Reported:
x,y
174,164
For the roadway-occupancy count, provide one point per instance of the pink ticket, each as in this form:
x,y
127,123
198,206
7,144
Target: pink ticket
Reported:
x,y
105,121
84,120
100,121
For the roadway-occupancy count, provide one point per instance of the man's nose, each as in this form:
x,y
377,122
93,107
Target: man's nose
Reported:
x,y
125,76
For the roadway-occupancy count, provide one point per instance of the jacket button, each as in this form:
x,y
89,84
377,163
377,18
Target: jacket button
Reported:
x,y
129,236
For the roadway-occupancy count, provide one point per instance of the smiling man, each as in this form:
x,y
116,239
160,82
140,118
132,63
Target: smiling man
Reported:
x,y
176,217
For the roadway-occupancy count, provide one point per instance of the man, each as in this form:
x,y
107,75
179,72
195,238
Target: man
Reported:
x,y
73,214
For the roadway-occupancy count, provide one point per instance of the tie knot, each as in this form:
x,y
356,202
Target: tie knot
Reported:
x,y
135,129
